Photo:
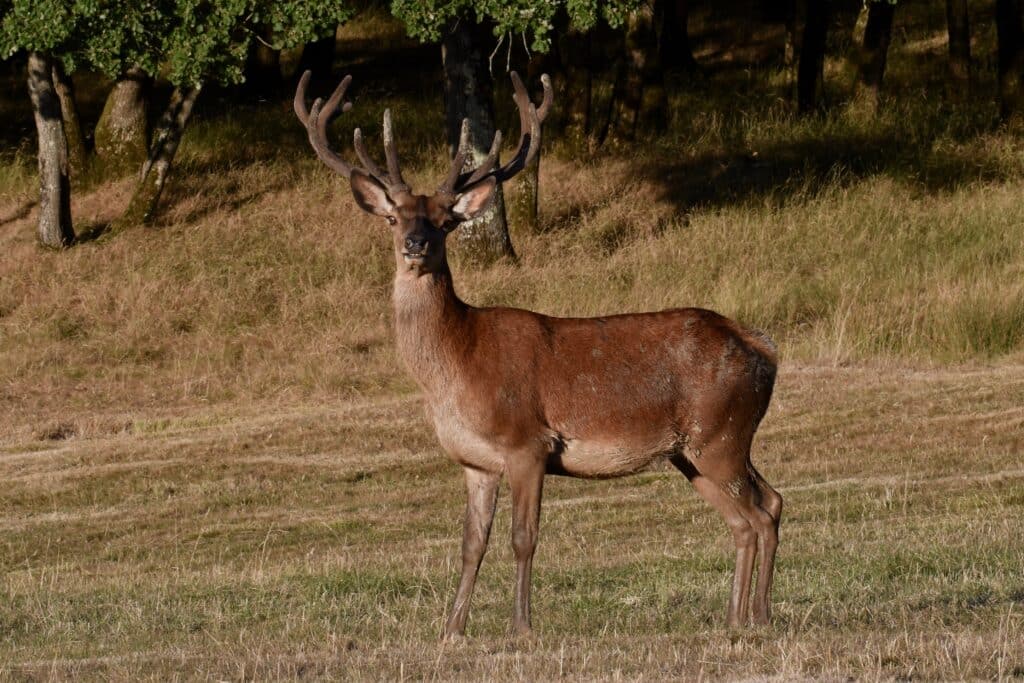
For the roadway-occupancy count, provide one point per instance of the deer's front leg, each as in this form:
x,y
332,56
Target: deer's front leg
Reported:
x,y
527,481
481,496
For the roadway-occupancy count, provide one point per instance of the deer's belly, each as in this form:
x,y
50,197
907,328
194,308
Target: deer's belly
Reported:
x,y
614,457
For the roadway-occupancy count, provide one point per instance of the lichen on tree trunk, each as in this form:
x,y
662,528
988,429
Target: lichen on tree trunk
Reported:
x,y
54,229
146,198
65,89
469,94
122,130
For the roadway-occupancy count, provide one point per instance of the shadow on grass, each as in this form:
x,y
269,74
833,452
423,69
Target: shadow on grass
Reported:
x,y
18,212
229,199
803,168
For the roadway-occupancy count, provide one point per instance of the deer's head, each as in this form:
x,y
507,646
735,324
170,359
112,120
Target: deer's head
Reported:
x,y
420,223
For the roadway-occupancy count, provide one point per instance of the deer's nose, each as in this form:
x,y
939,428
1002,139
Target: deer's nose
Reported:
x,y
416,245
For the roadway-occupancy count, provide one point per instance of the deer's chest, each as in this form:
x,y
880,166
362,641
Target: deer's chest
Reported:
x,y
466,440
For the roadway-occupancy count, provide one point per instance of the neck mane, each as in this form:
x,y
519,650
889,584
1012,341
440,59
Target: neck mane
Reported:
x,y
430,326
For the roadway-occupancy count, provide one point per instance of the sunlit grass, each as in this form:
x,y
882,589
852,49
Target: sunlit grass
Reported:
x,y
281,539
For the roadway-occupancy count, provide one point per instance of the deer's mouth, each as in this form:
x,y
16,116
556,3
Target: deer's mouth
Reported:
x,y
414,259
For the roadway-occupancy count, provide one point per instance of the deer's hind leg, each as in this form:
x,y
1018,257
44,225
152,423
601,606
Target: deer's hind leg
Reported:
x,y
770,501
721,476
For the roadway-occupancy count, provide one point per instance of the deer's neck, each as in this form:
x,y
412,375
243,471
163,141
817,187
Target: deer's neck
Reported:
x,y
431,325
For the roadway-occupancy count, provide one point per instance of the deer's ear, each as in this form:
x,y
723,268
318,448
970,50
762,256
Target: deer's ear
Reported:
x,y
370,194
474,200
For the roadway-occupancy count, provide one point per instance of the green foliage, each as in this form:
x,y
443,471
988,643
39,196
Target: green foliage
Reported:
x,y
37,25
111,36
211,39
533,19
197,40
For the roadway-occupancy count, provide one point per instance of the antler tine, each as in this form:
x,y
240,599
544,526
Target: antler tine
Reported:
x,y
316,128
548,100
530,118
458,161
299,103
316,119
368,163
391,153
529,127
487,166
456,178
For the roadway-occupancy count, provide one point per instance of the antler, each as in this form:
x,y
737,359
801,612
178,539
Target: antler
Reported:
x,y
530,119
316,118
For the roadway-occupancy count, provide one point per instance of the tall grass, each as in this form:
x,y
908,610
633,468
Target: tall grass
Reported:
x,y
847,239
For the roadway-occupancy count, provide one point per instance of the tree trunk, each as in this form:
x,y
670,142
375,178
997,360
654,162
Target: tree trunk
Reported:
x,y
524,203
812,55
959,24
65,89
145,200
873,54
55,229
122,130
641,50
1010,34
469,94
654,108
676,50
575,96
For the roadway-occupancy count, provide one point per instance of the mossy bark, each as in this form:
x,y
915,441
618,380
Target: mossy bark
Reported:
x,y
65,89
958,24
123,128
469,94
54,229
1010,34
146,198
524,202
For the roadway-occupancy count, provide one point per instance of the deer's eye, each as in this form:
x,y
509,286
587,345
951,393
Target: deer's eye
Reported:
x,y
392,220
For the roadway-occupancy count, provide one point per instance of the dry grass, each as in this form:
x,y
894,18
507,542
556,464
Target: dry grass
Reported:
x,y
320,540
214,467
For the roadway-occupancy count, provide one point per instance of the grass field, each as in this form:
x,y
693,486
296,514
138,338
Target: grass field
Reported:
x,y
320,539
214,467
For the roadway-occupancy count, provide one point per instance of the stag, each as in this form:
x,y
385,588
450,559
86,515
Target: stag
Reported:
x,y
519,394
